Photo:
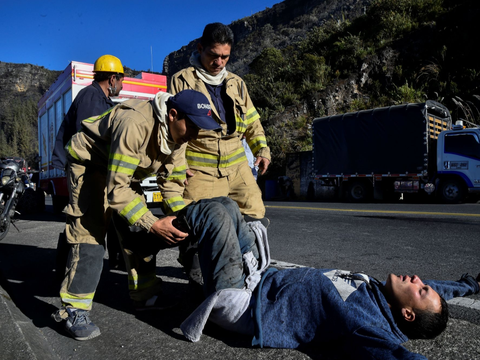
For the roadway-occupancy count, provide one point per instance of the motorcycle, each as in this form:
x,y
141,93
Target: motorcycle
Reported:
x,y
12,186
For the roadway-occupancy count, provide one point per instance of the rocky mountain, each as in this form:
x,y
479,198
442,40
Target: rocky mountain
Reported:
x,y
21,86
22,82
283,25
280,26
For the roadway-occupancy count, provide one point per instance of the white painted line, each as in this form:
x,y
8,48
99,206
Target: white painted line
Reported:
x,y
465,302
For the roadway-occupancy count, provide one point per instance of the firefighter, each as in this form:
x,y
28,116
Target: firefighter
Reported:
x,y
92,100
216,161
106,161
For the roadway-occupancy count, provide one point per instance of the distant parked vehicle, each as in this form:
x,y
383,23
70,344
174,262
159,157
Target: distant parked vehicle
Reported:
x,y
412,149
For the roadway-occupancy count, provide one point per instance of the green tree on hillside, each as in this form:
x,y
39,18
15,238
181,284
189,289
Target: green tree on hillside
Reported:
x,y
18,132
414,50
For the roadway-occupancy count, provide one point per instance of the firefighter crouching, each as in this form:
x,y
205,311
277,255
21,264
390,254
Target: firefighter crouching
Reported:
x,y
127,143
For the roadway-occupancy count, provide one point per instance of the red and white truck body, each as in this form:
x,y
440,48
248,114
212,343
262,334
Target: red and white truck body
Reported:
x,y
54,105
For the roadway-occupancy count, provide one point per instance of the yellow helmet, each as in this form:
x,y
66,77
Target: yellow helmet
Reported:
x,y
108,63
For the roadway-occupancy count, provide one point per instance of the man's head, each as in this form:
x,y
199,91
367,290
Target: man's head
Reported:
x,y
109,73
188,112
420,312
215,47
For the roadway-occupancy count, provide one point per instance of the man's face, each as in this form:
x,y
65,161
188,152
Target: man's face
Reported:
x,y
116,85
408,292
182,131
214,58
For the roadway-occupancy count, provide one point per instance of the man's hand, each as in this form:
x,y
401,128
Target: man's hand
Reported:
x,y
164,229
189,174
262,164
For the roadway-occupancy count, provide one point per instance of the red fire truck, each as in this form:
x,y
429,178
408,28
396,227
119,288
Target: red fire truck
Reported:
x,y
52,108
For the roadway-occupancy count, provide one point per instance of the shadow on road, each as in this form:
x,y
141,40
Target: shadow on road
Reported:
x,y
29,278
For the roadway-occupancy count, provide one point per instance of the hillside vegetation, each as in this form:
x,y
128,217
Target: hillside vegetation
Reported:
x,y
21,86
399,51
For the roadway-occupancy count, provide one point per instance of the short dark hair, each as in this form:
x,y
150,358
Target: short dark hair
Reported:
x,y
427,324
216,33
180,115
105,75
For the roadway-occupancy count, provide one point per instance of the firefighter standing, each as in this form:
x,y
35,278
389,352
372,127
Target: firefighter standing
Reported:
x,y
217,159
91,100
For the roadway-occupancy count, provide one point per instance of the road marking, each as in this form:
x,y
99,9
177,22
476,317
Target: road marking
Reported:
x,y
465,302
373,211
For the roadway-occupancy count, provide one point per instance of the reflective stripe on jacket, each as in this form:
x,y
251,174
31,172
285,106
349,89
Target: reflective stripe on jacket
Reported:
x,y
125,141
214,152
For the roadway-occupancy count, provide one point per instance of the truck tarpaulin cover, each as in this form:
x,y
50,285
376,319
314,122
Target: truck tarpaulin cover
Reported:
x,y
383,140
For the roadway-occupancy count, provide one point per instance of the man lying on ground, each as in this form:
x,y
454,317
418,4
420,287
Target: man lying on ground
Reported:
x,y
288,308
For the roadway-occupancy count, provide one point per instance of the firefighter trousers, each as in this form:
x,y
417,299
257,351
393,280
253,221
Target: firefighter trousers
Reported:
x,y
87,220
240,186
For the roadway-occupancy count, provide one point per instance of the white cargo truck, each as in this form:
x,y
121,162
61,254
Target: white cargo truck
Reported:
x,y
409,149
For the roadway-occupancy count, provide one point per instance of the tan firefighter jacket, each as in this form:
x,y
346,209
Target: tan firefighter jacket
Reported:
x,y
214,152
126,141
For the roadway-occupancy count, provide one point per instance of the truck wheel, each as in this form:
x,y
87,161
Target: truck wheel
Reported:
x,y
451,191
358,191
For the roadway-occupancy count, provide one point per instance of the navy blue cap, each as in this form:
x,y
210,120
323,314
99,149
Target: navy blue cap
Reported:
x,y
196,107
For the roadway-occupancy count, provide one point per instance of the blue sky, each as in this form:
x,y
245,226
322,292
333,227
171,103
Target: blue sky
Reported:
x,y
51,33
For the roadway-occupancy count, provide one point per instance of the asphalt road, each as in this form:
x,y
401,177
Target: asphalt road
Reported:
x,y
433,241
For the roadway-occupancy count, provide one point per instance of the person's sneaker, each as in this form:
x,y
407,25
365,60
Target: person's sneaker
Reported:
x,y
155,303
79,325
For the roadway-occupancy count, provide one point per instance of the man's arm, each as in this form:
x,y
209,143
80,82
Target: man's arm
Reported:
x,y
467,285
255,134
173,186
127,144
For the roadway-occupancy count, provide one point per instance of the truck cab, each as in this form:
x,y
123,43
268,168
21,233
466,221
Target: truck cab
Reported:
x,y
458,163
408,149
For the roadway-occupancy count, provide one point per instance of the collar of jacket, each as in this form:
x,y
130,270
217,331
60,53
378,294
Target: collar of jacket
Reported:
x,y
97,86
195,83
160,114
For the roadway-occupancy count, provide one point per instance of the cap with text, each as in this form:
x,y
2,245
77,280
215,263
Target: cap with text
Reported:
x,y
196,107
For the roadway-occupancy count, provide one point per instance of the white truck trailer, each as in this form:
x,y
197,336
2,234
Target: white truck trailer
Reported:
x,y
53,107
